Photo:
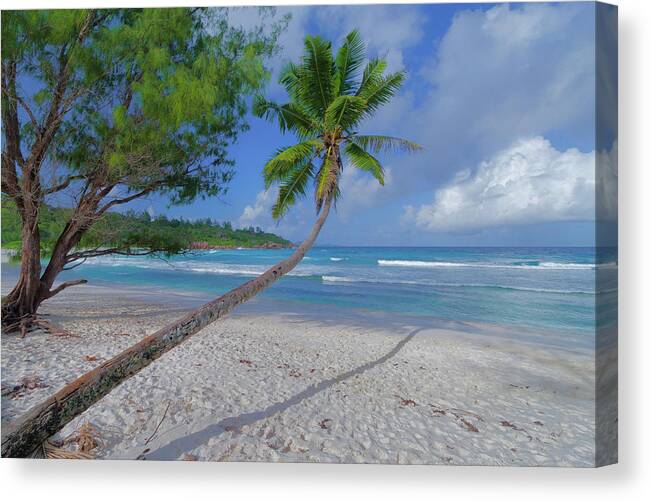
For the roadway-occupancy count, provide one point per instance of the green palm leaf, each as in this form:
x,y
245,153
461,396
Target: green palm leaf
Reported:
x,y
290,79
372,74
326,179
365,161
380,92
282,164
316,75
293,188
344,112
349,59
385,144
290,116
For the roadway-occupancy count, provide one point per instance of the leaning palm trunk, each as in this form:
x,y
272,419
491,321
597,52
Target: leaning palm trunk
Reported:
x,y
27,433
328,102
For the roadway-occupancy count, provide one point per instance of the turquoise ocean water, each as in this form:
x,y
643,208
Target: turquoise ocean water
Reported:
x,y
539,288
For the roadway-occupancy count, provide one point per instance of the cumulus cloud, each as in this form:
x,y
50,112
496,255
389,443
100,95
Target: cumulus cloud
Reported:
x,y
514,70
529,182
292,226
260,210
500,74
387,30
360,189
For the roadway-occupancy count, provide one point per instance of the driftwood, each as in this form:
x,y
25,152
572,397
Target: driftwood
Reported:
x,y
24,435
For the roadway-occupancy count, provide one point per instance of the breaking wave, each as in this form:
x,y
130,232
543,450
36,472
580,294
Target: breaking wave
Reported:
x,y
527,265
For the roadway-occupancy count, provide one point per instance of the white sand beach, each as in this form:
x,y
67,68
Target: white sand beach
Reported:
x,y
262,386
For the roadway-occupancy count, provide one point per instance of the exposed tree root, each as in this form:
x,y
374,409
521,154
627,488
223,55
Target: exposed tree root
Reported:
x,y
85,439
35,322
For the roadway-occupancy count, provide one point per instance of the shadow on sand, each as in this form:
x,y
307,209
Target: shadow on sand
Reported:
x,y
178,446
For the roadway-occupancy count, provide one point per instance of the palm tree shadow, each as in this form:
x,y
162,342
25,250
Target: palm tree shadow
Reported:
x,y
176,447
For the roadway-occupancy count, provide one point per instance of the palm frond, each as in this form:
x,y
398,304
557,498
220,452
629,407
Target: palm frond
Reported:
x,y
282,164
385,144
381,91
289,116
293,188
363,160
349,59
290,79
344,112
316,75
372,74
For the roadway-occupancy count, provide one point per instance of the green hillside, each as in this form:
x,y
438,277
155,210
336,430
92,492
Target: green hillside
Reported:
x,y
138,230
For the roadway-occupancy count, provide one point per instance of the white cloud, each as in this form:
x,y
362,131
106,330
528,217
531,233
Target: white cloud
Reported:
x,y
360,190
386,29
530,182
497,75
254,214
293,226
514,71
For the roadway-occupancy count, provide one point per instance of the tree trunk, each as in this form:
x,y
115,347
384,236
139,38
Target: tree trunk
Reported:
x,y
27,433
35,284
32,288
20,305
22,302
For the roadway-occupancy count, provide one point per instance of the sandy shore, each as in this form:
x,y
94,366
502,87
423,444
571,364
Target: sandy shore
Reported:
x,y
261,386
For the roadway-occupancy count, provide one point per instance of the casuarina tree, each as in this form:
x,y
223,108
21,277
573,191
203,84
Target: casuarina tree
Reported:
x,y
102,107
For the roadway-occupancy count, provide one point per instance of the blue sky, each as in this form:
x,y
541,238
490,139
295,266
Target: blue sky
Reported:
x,y
501,97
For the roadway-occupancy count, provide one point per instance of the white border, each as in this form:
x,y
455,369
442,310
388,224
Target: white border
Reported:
x,y
24,480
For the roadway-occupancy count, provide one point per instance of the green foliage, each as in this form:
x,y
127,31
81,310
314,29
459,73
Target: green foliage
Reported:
x,y
328,102
135,231
154,96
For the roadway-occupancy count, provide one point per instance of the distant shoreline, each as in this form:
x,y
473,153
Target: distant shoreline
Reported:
x,y
265,246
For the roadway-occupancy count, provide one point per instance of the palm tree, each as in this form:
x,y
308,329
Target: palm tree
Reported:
x,y
328,101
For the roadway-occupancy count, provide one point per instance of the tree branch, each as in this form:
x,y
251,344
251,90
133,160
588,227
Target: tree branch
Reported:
x,y
11,154
65,285
119,251
63,185
32,117
119,201
53,117
68,268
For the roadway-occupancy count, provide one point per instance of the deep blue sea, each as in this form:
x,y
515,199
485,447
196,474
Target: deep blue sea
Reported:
x,y
540,288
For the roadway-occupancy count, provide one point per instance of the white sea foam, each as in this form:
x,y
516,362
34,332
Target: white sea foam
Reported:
x,y
538,266
223,270
566,266
336,258
193,266
336,279
419,264
246,270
